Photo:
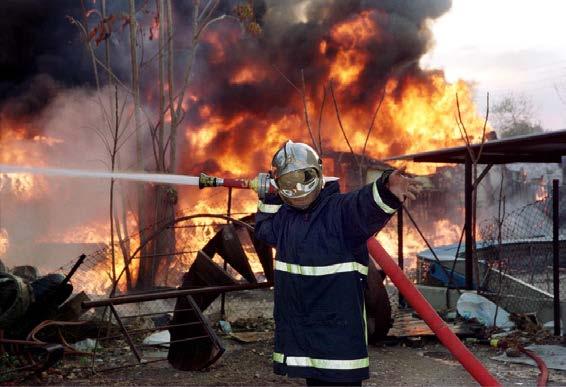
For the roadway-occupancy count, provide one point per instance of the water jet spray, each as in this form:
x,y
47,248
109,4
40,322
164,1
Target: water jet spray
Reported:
x,y
261,184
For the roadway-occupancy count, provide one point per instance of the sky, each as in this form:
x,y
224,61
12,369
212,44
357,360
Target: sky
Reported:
x,y
506,47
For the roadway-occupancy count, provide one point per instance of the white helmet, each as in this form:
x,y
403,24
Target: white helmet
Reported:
x,y
297,171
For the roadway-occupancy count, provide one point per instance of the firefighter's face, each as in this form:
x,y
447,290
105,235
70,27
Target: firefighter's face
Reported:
x,y
299,188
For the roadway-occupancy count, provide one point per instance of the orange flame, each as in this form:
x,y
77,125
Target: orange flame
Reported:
x,y
541,193
16,148
351,36
443,232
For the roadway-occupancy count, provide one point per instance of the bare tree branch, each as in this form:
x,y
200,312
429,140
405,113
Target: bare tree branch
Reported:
x,y
465,135
372,124
287,79
484,127
307,119
320,120
342,126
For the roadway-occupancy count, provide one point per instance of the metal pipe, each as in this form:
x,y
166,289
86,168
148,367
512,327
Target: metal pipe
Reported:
x,y
73,270
154,313
225,266
125,332
166,254
429,315
171,294
556,253
160,328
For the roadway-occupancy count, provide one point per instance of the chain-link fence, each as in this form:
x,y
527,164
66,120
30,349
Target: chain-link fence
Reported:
x,y
516,256
98,273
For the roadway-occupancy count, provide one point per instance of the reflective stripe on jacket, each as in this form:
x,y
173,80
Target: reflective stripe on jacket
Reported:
x,y
321,269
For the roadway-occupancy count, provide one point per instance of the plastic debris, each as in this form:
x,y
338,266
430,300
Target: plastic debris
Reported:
x,y
86,345
474,306
158,338
225,326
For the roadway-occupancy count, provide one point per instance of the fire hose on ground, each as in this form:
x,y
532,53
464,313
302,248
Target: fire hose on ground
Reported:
x,y
543,376
429,315
504,344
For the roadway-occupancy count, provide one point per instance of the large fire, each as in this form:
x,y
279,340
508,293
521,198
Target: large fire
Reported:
x,y
442,232
236,137
18,149
350,37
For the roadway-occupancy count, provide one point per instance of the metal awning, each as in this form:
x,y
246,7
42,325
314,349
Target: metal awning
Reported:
x,y
539,148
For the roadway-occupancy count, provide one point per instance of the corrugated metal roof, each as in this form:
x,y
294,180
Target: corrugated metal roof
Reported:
x,y
540,148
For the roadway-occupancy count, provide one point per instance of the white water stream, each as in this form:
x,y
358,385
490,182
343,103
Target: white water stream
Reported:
x,y
79,173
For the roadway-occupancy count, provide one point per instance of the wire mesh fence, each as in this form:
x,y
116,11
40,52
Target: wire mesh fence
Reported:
x,y
516,252
104,267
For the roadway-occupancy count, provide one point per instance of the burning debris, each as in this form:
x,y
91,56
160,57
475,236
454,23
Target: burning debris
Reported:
x,y
28,304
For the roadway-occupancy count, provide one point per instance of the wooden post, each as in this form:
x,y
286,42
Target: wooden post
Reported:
x,y
468,188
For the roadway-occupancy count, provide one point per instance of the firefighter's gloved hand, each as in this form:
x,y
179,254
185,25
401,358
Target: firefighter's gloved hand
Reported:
x,y
402,186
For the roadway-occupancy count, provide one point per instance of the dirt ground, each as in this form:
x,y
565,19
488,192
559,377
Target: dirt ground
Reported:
x,y
250,365
246,364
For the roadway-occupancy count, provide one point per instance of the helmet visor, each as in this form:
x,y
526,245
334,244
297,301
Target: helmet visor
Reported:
x,y
298,183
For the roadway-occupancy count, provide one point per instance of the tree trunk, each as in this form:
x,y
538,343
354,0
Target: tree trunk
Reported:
x,y
145,279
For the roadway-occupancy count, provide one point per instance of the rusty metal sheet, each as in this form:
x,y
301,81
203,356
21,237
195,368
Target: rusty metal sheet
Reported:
x,y
231,250
192,347
204,272
227,244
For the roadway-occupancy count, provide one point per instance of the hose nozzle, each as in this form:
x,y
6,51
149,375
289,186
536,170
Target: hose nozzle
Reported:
x,y
260,184
209,181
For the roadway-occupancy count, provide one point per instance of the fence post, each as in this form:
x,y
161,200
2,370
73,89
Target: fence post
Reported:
x,y
556,254
400,258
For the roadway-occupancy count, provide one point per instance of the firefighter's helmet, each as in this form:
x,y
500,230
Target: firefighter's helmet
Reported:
x,y
297,172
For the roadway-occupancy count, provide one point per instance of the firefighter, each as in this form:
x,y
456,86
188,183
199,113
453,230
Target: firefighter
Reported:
x,y
321,264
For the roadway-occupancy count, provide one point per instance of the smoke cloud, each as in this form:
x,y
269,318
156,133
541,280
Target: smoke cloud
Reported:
x,y
237,94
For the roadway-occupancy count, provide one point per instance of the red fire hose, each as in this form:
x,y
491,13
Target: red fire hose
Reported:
x,y
429,315
543,375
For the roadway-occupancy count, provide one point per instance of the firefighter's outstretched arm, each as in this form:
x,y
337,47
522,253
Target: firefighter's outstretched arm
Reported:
x,y
403,187
366,211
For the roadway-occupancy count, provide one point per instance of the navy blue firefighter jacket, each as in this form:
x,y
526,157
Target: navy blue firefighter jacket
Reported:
x,y
321,267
